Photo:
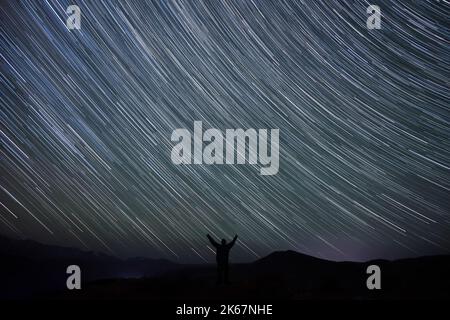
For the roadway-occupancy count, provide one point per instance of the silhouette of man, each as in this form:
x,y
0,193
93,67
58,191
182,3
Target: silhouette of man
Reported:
x,y
222,252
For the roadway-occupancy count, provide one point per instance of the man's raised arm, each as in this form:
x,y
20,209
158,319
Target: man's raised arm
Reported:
x,y
214,243
232,241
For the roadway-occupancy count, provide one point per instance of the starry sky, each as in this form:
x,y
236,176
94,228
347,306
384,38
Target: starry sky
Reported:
x,y
87,116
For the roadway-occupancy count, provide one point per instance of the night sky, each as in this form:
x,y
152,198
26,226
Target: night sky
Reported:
x,y
87,116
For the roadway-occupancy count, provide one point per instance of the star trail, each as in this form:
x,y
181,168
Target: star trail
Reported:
x,y
87,116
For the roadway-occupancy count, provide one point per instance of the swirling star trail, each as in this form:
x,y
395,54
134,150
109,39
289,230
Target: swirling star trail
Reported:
x,y
87,115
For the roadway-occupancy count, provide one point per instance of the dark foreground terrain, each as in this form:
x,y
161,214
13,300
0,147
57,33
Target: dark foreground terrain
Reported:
x,y
32,270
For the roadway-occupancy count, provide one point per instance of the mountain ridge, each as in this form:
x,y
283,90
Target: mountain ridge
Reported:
x,y
30,269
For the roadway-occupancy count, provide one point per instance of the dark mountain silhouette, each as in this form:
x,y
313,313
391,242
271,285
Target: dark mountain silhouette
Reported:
x,y
286,275
29,268
32,270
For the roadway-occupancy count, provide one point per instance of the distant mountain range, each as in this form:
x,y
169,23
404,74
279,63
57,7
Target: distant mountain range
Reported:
x,y
29,269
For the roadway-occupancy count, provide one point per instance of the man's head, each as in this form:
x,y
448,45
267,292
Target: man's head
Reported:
x,y
224,241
